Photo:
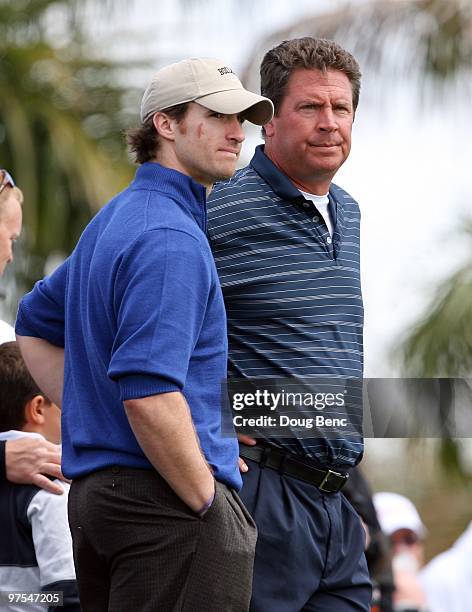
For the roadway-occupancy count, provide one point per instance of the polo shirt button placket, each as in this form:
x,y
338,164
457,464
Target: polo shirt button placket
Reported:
x,y
328,242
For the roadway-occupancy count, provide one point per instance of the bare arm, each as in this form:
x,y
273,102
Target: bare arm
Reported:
x,y
45,362
27,460
164,429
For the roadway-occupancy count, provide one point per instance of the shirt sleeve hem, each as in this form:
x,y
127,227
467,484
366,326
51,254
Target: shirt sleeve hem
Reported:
x,y
137,386
22,328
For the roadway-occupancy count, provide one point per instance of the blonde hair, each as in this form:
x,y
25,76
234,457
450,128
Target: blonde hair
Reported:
x,y
10,191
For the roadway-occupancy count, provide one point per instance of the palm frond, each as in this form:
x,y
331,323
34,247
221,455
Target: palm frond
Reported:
x,y
61,118
440,344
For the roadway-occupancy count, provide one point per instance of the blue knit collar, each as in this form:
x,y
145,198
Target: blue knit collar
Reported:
x,y
180,187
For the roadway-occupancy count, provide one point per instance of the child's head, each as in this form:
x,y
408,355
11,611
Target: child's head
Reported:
x,y
22,405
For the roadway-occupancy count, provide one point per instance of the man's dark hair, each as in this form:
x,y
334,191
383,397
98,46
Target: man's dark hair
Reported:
x,y
17,387
143,141
310,53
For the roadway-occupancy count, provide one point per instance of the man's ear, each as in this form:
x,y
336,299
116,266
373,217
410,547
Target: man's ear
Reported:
x,y
269,128
35,410
165,126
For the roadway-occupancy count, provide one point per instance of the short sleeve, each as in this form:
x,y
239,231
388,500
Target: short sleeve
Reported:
x,y
47,514
7,333
41,313
161,293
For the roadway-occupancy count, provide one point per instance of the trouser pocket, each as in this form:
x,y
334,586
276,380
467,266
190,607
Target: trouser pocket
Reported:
x,y
221,573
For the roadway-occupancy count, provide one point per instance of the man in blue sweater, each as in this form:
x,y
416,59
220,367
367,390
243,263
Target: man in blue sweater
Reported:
x,y
129,335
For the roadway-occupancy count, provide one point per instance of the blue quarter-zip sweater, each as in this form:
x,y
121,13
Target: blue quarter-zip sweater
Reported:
x,y
139,310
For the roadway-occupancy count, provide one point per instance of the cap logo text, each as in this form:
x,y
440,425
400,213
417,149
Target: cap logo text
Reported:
x,y
225,70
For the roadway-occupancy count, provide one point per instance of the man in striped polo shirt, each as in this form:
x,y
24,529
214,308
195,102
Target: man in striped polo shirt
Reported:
x,y
286,245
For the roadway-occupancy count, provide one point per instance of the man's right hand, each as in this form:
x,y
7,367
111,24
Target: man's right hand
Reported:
x,y
31,461
164,429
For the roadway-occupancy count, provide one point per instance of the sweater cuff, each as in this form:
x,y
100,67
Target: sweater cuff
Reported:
x,y
23,327
141,385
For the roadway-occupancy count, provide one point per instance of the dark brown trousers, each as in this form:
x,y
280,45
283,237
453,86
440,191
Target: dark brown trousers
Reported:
x,y
139,548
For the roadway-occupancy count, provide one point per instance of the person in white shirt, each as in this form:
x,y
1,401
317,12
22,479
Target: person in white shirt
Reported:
x,y
447,579
401,522
36,552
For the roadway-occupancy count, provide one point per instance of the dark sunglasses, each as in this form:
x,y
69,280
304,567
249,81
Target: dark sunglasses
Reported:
x,y
6,180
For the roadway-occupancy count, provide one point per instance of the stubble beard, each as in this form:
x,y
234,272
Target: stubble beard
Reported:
x,y
223,175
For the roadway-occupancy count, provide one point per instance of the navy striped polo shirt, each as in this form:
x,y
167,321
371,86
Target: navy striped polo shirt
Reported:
x,y
292,291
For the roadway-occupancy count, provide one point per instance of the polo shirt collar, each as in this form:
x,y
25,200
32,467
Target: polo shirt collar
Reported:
x,y
277,180
281,184
176,185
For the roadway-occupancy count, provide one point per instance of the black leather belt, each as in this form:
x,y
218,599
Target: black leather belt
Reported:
x,y
326,480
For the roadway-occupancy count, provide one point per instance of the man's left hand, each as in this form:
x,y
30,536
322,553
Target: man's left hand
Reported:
x,y
243,467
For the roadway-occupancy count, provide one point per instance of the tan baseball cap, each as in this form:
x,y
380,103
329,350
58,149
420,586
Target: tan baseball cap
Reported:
x,y
211,83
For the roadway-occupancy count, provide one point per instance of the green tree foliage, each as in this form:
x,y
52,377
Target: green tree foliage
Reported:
x,y
62,111
439,345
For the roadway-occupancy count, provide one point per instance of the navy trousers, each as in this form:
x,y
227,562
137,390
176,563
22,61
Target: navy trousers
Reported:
x,y
310,548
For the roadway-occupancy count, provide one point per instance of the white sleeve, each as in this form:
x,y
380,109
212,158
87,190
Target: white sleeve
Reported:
x,y
441,582
47,514
7,333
